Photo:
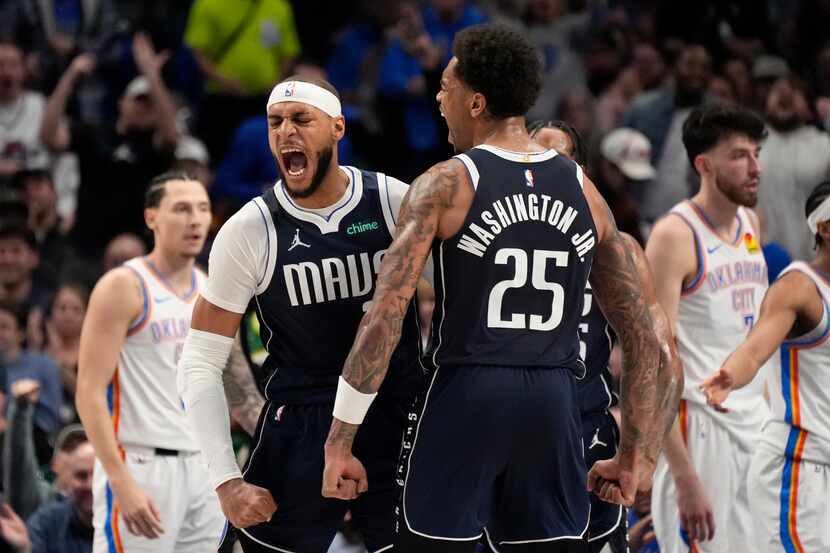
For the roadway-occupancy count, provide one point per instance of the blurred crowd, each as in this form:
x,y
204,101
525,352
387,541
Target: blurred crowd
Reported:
x,y
99,96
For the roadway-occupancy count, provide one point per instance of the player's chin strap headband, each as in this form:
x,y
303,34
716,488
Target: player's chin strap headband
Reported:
x,y
819,215
306,93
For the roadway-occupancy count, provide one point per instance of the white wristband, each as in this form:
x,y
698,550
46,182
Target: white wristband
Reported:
x,y
351,405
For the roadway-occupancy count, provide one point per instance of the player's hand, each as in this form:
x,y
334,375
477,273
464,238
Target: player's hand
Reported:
x,y
139,511
641,533
244,504
617,481
717,388
343,476
696,514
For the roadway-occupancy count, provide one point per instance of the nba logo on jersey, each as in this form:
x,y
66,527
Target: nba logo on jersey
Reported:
x,y
529,178
289,90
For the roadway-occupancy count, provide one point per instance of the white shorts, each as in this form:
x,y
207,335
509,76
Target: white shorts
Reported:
x,y
721,464
179,485
789,503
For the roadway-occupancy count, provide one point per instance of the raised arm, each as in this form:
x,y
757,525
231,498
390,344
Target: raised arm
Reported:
x,y
792,295
115,303
150,63
419,222
619,291
54,130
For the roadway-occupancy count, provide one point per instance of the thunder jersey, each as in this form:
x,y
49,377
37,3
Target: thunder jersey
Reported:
x,y
143,396
800,392
717,310
321,286
509,285
596,339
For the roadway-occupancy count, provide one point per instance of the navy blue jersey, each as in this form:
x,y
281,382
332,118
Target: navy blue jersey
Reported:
x,y
321,286
596,337
509,285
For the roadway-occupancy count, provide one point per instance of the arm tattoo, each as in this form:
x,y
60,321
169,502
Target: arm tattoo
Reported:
x,y
428,198
244,399
618,289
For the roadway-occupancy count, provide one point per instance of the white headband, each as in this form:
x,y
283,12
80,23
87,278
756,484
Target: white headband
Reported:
x,y
819,215
305,93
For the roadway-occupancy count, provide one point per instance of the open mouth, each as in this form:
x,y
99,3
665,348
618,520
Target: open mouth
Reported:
x,y
295,161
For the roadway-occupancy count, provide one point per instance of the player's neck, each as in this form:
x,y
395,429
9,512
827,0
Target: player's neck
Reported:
x,y
720,212
508,134
176,269
822,259
334,185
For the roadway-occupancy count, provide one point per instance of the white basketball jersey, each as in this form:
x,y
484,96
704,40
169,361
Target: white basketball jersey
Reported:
x,y
717,310
800,394
144,402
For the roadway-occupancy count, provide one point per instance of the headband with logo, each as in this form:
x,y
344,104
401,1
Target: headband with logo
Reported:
x,y
306,93
819,215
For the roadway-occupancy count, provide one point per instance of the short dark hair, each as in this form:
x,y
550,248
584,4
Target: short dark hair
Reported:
x,y
501,64
10,232
322,83
580,153
709,124
17,311
818,195
158,186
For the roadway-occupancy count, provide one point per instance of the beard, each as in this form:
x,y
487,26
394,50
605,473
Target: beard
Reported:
x,y
784,123
735,193
323,163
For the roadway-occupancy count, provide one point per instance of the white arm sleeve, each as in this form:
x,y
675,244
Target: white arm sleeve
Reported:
x,y
200,386
397,190
241,259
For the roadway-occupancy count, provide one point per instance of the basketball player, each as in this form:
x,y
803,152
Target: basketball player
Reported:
x,y
498,442
600,435
149,476
306,253
711,278
788,476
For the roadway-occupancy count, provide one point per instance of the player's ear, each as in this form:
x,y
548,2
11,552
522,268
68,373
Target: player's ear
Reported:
x,y
702,164
478,104
338,126
150,215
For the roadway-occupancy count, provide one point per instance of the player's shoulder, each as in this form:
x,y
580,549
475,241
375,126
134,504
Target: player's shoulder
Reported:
x,y
119,289
671,227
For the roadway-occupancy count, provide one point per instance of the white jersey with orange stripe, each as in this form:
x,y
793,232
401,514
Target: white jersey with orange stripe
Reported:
x,y
144,402
717,310
800,394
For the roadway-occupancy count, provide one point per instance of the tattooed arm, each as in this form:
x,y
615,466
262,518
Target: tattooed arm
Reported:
x,y
420,220
244,400
670,375
619,291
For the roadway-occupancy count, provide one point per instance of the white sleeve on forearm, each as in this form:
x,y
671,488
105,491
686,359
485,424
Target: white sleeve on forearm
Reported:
x,y
200,385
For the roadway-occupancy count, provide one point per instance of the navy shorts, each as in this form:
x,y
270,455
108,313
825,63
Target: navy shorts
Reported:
x,y
495,448
600,436
287,459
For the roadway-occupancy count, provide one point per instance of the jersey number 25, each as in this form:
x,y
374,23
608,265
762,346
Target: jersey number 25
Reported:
x,y
537,280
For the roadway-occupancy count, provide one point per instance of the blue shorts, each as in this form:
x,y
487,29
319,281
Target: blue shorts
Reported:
x,y
287,459
497,448
600,436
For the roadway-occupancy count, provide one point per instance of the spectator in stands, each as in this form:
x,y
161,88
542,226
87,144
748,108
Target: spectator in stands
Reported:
x,y
63,333
116,162
243,48
621,174
192,158
21,113
766,69
25,364
736,71
55,31
795,157
659,115
65,525
120,249
18,261
409,77
15,537
44,222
